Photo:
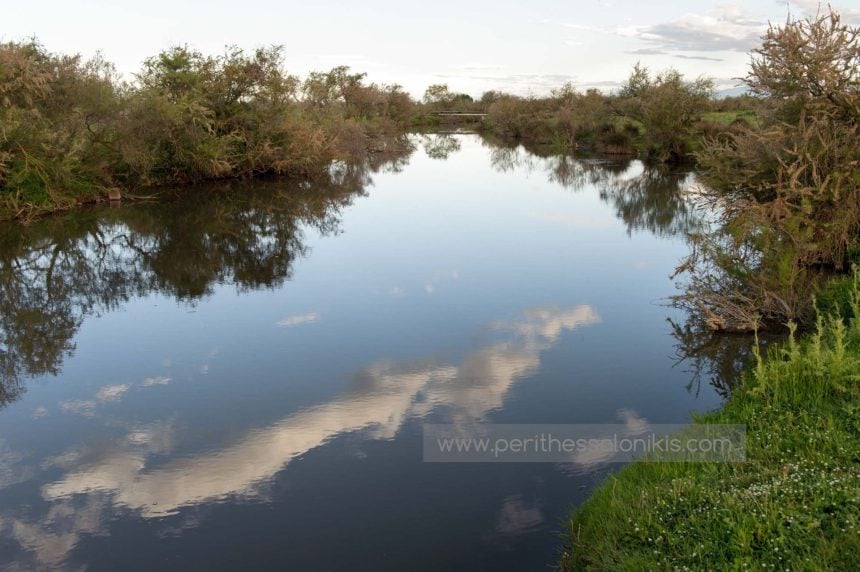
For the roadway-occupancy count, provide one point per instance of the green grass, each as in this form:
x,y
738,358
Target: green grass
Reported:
x,y
727,117
795,503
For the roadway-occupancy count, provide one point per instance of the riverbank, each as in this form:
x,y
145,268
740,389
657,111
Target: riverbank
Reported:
x,y
793,505
72,131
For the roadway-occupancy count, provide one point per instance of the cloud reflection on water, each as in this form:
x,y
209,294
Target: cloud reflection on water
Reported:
x,y
122,475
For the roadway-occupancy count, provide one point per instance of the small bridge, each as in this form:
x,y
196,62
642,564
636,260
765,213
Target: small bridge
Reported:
x,y
459,114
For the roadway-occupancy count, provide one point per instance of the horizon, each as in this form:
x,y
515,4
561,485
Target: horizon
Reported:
x,y
522,50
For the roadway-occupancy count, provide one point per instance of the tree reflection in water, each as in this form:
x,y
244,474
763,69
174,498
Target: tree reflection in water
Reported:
x,y
653,199
440,145
59,270
718,359
646,197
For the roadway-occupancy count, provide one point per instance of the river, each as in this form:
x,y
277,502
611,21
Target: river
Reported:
x,y
237,377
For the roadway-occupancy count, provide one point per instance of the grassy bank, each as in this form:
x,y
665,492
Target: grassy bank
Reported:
x,y
795,503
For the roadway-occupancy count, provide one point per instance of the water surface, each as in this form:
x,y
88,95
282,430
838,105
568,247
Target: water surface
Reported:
x,y
238,377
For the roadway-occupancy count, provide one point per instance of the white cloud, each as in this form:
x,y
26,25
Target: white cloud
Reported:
x,y
576,220
727,28
584,28
160,380
112,392
390,395
810,8
12,471
700,58
299,319
80,407
518,517
480,67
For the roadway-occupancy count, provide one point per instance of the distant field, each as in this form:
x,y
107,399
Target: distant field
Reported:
x,y
727,117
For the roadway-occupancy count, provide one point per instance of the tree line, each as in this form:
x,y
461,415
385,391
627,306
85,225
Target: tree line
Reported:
x,y
72,129
779,165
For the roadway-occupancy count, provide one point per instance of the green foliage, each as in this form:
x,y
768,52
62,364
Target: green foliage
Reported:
x,y
567,120
518,118
746,116
667,107
438,94
793,505
658,116
57,270
56,116
197,117
837,298
69,129
788,185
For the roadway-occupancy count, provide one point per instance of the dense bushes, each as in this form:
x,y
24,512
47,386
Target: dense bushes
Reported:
x,y
788,187
196,117
657,116
668,108
69,128
567,121
56,116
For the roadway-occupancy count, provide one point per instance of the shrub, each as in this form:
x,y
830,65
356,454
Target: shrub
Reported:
x,y
787,189
69,128
668,107
57,116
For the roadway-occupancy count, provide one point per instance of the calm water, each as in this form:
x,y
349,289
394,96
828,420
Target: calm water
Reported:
x,y
239,378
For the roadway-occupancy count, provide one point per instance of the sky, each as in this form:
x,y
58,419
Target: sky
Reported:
x,y
475,46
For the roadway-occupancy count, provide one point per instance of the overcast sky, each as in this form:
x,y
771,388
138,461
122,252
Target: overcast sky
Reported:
x,y
473,46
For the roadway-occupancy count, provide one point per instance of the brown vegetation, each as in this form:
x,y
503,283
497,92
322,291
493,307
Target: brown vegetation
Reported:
x,y
788,189
71,129
661,117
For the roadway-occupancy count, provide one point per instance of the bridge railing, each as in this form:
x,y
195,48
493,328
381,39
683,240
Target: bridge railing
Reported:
x,y
461,113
